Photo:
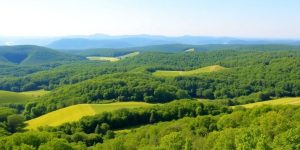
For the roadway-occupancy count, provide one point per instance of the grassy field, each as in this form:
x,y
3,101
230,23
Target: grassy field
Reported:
x,y
129,55
97,58
162,73
112,59
190,50
281,101
19,97
76,112
37,93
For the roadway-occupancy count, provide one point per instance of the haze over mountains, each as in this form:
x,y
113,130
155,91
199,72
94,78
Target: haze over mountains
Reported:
x,y
124,41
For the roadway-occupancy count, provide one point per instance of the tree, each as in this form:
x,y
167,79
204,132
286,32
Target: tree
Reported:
x,y
180,94
263,96
288,140
97,129
24,147
56,144
188,144
152,117
208,94
15,123
104,127
179,115
109,135
164,94
172,141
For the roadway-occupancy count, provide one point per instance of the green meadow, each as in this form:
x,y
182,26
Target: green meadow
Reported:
x,y
280,101
163,73
7,97
76,112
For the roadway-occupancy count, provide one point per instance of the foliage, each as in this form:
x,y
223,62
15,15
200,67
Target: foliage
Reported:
x,y
268,127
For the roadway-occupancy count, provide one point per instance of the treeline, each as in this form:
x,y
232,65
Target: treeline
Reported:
x,y
23,70
264,128
132,117
91,130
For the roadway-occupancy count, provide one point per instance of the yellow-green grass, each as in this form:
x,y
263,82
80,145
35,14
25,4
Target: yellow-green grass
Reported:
x,y
112,59
7,97
190,50
37,93
129,55
76,112
97,58
13,97
281,101
208,69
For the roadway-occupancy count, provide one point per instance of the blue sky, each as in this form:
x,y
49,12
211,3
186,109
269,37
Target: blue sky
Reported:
x,y
237,18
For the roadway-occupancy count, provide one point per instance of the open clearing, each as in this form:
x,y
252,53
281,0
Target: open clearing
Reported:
x,y
97,58
129,55
162,73
190,50
281,101
76,112
37,93
7,97
112,59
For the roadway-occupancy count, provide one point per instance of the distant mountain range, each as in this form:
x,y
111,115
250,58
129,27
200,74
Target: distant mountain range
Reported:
x,y
125,41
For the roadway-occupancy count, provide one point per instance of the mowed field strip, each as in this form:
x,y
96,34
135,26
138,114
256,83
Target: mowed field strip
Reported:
x,y
162,73
19,97
112,59
97,58
76,112
281,101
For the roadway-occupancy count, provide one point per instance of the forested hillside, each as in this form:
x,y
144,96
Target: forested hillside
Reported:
x,y
244,74
32,55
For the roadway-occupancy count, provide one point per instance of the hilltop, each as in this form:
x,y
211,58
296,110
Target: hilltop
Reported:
x,y
32,55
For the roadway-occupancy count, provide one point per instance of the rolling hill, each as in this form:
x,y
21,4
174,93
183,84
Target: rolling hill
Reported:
x,y
76,112
280,101
29,55
162,73
176,48
7,97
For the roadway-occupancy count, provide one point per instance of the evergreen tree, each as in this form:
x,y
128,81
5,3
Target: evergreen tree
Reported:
x,y
152,117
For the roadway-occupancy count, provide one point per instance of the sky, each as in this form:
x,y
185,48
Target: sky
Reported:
x,y
231,18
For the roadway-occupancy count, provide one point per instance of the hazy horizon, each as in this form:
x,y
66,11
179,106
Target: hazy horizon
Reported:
x,y
266,19
144,34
